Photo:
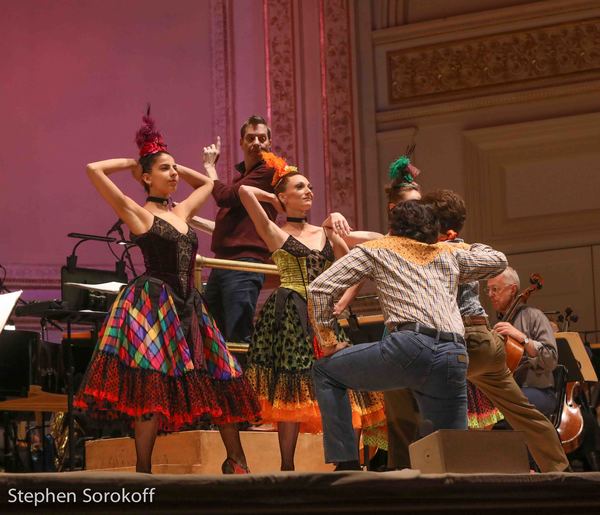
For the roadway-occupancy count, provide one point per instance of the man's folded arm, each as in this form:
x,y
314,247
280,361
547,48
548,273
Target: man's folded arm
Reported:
x,y
479,262
323,291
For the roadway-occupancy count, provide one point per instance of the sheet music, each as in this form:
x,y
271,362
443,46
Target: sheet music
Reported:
x,y
110,287
7,304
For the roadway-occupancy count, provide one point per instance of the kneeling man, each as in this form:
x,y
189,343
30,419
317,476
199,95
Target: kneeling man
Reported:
x,y
417,282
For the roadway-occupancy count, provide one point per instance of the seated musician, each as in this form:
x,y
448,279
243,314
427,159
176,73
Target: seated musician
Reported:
x,y
531,328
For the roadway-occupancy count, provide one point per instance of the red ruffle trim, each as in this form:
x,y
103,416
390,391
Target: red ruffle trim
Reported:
x,y
112,390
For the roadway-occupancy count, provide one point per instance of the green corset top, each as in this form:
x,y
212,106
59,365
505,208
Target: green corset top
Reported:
x,y
298,265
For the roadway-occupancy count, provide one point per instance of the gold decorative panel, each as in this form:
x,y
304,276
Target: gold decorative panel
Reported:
x,y
551,55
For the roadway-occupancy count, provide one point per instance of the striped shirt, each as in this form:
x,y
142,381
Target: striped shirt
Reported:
x,y
468,295
415,282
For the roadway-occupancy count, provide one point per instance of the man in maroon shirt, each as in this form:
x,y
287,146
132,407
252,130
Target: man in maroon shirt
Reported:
x,y
231,295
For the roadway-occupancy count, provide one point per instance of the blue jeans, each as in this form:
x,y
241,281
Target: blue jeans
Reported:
x,y
231,298
436,371
544,399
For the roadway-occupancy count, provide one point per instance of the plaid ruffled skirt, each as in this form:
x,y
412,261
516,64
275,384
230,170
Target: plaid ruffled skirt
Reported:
x,y
161,355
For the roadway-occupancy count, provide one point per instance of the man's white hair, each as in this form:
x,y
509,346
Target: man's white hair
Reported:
x,y
511,277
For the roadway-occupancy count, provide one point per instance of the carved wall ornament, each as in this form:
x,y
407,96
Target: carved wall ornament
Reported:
x,y
283,67
222,94
521,59
281,77
338,108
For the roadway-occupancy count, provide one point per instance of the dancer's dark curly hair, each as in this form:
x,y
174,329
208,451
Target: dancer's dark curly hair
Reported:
x,y
449,207
415,220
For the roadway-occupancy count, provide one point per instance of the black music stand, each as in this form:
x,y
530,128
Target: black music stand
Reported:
x,y
15,356
84,307
572,354
70,317
78,298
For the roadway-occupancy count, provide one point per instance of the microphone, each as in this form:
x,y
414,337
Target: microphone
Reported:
x,y
116,226
120,265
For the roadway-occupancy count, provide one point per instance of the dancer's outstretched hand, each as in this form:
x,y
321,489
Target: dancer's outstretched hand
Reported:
x,y
212,152
339,224
339,307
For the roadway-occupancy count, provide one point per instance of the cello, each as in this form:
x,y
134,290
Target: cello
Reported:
x,y
513,348
571,426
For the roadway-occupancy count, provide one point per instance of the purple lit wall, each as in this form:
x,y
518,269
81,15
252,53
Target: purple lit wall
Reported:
x,y
76,77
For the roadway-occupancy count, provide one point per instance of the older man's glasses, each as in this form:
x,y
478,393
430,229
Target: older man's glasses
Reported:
x,y
495,290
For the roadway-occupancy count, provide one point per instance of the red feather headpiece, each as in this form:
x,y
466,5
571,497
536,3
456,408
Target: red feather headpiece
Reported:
x,y
148,139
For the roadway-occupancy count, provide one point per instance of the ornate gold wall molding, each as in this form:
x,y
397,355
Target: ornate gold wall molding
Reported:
x,y
525,59
395,118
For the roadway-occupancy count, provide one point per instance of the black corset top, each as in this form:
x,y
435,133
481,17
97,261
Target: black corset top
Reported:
x,y
169,255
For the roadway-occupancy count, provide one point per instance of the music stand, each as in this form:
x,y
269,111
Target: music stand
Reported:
x,y
572,354
8,302
84,304
78,298
15,358
15,353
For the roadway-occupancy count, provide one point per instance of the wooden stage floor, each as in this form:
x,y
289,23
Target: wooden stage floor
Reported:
x,y
405,491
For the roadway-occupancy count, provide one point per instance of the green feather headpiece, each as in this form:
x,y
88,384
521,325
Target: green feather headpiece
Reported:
x,y
400,168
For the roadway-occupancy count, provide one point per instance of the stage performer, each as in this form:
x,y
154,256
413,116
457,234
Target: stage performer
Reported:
x,y
487,360
417,282
402,413
402,187
160,360
401,426
231,295
283,348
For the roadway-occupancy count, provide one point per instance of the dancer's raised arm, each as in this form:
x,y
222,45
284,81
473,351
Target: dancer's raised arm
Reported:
x,y
133,215
270,232
340,248
203,187
202,224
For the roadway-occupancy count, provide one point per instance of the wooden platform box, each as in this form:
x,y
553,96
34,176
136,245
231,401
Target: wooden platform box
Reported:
x,y
202,452
470,452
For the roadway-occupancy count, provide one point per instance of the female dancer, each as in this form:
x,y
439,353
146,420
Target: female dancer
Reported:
x,y
402,187
283,347
160,360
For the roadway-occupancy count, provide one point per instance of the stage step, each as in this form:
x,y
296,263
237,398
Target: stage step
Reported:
x,y
202,452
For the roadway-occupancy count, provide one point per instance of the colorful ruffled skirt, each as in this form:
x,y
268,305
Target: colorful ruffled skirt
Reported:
x,y
161,355
480,410
279,366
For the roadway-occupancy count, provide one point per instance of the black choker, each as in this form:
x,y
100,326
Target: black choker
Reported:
x,y
296,219
159,200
